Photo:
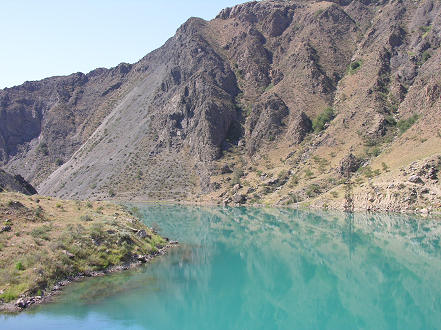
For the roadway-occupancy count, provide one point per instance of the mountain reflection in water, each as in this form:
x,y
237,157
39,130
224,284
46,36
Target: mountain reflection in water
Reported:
x,y
265,268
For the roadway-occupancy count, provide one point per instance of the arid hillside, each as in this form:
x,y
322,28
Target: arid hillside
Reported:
x,y
278,102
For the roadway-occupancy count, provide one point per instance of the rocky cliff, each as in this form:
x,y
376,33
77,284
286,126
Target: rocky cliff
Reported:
x,y
277,92
15,183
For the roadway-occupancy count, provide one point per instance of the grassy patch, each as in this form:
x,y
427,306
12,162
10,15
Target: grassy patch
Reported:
x,y
354,66
404,124
425,56
318,124
39,255
42,232
425,30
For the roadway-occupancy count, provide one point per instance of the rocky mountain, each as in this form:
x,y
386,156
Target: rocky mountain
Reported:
x,y
266,103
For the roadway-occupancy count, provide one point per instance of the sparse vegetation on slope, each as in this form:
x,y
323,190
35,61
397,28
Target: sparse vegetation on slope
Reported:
x,y
44,241
267,87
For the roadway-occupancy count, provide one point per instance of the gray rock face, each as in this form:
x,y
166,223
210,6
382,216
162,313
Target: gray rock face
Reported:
x,y
299,126
416,179
238,198
143,234
265,121
15,183
349,164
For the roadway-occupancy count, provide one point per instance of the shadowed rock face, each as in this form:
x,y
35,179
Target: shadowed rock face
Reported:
x,y
15,183
257,75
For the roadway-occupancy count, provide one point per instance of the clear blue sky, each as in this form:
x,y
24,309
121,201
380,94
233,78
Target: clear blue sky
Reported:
x,y
42,38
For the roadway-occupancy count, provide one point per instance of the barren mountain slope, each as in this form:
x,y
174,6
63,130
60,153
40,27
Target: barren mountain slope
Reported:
x,y
279,93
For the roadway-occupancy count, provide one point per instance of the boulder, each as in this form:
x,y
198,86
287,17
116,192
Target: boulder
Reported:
x,y
416,179
21,303
235,188
298,127
349,164
143,234
68,254
225,169
239,198
5,229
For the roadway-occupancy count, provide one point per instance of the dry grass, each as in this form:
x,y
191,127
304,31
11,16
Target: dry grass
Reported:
x,y
51,239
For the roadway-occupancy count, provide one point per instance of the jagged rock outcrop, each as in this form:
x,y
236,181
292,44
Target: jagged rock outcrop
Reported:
x,y
349,165
15,183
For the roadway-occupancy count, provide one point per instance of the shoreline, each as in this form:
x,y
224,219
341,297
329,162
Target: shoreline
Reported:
x,y
417,212
26,302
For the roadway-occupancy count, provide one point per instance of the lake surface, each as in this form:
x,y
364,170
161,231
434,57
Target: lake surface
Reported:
x,y
255,268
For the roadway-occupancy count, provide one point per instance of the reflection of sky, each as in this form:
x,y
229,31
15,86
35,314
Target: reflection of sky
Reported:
x,y
252,268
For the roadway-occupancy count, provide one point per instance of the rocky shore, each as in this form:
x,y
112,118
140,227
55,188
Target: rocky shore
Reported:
x,y
26,302
46,243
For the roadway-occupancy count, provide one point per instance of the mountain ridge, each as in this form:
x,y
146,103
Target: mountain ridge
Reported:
x,y
248,90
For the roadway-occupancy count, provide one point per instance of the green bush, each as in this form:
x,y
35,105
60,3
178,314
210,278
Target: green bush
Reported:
x,y
313,190
237,174
322,119
426,55
19,266
309,174
42,232
354,67
42,147
404,124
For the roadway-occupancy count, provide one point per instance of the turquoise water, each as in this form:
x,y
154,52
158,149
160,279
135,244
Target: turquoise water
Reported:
x,y
252,268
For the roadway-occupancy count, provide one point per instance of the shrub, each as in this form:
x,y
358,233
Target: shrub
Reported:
x,y
39,212
294,181
309,174
354,67
313,190
322,119
237,174
86,218
426,55
404,124
283,175
19,266
41,232
425,30
58,162
42,147
293,198
373,152
271,85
